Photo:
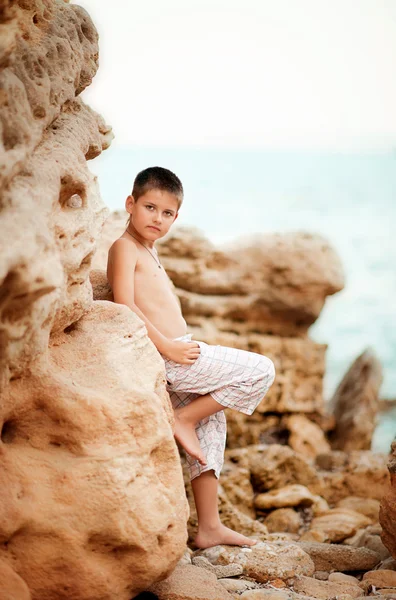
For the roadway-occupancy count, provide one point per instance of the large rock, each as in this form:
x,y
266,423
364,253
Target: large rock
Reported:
x,y
44,265
275,466
388,508
48,55
355,404
105,512
355,473
336,557
12,587
265,561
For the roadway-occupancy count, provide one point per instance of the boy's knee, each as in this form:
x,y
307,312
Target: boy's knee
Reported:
x,y
269,374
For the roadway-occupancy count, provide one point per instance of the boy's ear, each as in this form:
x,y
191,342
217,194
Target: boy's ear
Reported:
x,y
129,202
176,215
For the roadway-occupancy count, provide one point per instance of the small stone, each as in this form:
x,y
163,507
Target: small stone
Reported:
x,y
341,577
189,582
283,519
325,589
220,571
238,585
313,535
321,575
265,594
287,496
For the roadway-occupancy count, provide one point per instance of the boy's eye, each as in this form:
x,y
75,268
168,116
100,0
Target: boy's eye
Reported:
x,y
168,214
149,207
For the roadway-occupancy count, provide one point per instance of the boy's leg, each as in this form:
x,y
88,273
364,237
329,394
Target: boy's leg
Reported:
x,y
235,379
211,531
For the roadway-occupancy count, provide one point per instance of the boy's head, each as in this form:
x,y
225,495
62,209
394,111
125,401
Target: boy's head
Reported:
x,y
155,201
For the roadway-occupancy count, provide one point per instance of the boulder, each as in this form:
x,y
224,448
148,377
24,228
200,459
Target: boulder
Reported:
x,y
388,508
105,511
290,495
355,404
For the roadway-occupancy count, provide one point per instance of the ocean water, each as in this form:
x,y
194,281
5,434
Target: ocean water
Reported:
x,y
350,199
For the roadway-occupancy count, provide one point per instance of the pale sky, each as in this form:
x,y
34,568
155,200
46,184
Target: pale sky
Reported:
x,y
247,73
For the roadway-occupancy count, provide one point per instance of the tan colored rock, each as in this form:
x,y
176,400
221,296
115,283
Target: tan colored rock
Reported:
x,y
313,535
190,583
276,466
283,519
355,404
306,437
12,587
265,594
366,506
388,508
381,578
336,557
363,539
50,55
54,289
342,577
357,473
290,495
105,509
325,589
264,561
235,481
220,571
237,586
339,523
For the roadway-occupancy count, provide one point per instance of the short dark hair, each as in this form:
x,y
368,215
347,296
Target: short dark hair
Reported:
x,y
157,178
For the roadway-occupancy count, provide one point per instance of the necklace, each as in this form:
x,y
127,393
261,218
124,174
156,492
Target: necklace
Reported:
x,y
151,254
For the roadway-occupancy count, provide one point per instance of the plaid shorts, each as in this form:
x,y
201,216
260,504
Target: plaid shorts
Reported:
x,y
235,378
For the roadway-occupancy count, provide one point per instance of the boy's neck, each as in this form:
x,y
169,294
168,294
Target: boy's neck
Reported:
x,y
132,231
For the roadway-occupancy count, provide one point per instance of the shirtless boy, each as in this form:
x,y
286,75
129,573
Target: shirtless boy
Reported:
x,y
202,380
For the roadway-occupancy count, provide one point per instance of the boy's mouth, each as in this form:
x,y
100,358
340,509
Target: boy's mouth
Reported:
x,y
153,227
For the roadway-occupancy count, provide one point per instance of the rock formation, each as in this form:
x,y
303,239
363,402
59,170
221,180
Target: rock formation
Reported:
x,y
92,502
388,508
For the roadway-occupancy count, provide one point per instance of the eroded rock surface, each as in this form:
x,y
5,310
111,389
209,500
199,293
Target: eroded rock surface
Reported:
x,y
388,508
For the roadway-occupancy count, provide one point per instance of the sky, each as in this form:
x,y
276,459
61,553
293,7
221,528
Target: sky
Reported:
x,y
309,74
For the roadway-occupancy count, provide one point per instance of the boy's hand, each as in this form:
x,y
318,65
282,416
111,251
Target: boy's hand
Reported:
x,y
184,353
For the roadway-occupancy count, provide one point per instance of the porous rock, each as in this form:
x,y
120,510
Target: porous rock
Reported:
x,y
105,509
264,561
381,578
50,55
275,466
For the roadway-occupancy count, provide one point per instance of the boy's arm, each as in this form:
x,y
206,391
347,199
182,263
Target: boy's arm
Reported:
x,y
123,256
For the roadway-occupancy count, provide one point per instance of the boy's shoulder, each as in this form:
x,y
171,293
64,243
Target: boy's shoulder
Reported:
x,y
124,248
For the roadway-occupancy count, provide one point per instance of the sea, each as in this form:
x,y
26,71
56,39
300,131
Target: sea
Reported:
x,y
347,197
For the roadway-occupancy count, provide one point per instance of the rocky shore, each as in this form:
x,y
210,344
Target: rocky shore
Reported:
x,y
299,476
93,502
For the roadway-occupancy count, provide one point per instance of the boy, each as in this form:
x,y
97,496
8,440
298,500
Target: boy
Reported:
x,y
202,380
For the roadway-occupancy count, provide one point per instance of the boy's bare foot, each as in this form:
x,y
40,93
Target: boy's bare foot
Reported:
x,y
221,535
186,436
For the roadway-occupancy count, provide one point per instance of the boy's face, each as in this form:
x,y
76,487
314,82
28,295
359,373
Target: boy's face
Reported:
x,y
153,213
